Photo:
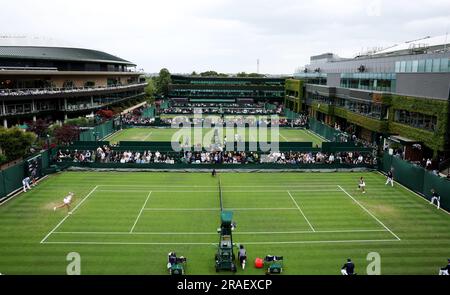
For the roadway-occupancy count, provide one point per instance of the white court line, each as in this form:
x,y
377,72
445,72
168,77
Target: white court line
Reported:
x,y
181,209
216,209
227,191
215,233
74,209
145,138
299,209
368,212
140,212
285,139
227,186
316,135
214,243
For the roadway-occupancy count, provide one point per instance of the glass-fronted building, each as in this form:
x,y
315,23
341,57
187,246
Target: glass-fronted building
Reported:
x,y
401,93
39,80
226,89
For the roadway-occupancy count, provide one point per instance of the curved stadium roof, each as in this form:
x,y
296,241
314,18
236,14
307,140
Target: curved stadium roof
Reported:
x,y
47,49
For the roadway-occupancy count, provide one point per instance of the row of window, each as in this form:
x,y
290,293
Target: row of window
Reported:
x,y
370,84
225,92
369,109
379,76
379,112
436,65
416,120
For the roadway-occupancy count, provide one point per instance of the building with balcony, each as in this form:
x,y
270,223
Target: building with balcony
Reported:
x,y
226,89
400,94
40,80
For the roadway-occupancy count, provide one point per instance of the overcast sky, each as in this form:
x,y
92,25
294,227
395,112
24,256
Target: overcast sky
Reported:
x,y
226,35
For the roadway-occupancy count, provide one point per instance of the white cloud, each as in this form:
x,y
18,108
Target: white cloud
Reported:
x,y
226,35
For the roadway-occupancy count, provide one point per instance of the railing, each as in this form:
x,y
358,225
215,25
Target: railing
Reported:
x,y
62,90
28,69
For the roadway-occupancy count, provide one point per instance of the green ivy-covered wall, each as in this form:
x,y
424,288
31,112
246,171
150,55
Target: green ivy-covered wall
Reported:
x,y
294,102
434,107
363,121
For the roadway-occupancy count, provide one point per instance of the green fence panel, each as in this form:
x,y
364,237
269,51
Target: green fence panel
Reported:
x,y
324,130
211,166
2,185
441,185
149,112
272,107
386,162
409,175
290,115
98,132
45,159
165,105
12,177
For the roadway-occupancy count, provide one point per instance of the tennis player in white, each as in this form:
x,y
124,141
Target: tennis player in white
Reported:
x,y
66,203
362,185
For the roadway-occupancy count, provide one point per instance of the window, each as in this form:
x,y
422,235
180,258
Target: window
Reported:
x,y
416,120
408,66
397,67
436,65
402,66
428,65
415,66
421,68
444,65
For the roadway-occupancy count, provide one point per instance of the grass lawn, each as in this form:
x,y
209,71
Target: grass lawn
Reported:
x,y
206,135
126,223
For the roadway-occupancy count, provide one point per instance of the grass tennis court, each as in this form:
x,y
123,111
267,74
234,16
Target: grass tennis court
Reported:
x,y
207,134
127,222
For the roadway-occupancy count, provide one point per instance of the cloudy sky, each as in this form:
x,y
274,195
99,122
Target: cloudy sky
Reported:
x,y
226,35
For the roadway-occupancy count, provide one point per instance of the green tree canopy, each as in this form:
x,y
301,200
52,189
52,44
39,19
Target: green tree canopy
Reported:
x,y
213,74
15,143
150,90
162,82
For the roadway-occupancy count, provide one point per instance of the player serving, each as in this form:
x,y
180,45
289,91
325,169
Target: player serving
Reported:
x,y
362,185
66,203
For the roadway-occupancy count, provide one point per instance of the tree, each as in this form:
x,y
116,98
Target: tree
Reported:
x,y
255,75
66,134
162,82
40,127
213,74
194,73
14,143
150,90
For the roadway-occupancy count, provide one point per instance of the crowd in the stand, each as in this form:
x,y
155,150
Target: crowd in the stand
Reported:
x,y
234,121
318,158
220,108
56,90
135,118
107,155
349,136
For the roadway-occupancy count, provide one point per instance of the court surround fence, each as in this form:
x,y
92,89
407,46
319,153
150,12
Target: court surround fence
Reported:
x,y
324,130
11,178
417,178
98,132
